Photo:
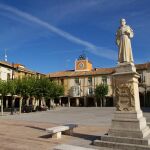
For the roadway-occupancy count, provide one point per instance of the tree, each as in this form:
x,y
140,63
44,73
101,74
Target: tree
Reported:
x,y
53,91
3,92
100,92
28,87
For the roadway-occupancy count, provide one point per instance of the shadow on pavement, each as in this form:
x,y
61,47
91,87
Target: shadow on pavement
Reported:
x,y
45,136
38,128
85,136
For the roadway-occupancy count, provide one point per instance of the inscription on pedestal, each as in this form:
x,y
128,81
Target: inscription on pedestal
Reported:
x,y
124,97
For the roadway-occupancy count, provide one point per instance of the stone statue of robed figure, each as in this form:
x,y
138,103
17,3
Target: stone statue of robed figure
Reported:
x,y
123,40
128,130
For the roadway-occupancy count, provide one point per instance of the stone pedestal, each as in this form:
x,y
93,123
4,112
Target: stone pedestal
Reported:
x,y
128,129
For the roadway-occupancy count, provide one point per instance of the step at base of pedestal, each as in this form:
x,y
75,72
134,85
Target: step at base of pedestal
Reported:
x,y
137,141
121,146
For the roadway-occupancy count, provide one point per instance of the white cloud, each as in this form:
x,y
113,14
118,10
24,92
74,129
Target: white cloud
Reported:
x,y
99,51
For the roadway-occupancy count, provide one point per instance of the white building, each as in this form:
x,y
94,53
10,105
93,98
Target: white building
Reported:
x,y
6,71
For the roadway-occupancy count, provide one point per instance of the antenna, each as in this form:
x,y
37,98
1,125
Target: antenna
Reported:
x,y
5,54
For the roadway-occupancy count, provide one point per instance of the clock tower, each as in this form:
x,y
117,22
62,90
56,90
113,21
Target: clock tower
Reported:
x,y
83,64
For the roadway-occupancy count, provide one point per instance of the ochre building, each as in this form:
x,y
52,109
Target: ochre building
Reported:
x,y
80,84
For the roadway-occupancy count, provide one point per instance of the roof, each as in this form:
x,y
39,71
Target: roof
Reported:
x,y
18,67
96,71
143,66
72,73
5,63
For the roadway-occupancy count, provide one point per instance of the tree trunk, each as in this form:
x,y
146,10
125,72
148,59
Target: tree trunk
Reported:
x,y
34,103
101,102
51,103
20,104
2,106
27,101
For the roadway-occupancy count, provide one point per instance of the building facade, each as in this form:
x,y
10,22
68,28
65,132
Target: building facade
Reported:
x,y
12,71
80,83
6,71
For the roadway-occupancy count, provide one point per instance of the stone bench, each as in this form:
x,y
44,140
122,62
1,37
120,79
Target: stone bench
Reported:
x,y
70,147
57,131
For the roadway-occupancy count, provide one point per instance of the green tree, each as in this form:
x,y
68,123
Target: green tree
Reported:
x,y
100,92
51,90
26,89
3,92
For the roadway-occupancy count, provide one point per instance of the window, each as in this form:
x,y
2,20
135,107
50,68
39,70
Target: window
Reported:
x,y
90,80
90,91
75,91
142,78
77,80
8,76
62,81
104,80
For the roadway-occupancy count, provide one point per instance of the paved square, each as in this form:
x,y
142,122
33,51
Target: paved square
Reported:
x,y
27,131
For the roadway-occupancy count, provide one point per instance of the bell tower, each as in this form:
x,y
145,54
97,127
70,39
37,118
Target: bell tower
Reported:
x,y
83,64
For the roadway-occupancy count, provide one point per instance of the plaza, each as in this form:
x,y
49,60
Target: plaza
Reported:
x,y
92,88
27,131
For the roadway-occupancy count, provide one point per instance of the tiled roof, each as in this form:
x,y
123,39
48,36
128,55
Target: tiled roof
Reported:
x,y
96,71
82,73
142,66
17,66
5,63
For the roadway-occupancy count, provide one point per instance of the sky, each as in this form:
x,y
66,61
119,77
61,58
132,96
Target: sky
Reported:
x,y
49,35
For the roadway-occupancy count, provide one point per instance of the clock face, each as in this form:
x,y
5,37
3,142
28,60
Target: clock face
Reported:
x,y
81,65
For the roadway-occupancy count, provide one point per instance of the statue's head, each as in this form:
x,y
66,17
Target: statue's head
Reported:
x,y
122,22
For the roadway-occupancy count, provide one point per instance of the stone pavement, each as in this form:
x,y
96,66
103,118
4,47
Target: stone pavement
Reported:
x,y
26,131
79,115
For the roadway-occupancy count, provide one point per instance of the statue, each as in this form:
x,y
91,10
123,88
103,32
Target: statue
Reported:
x,y
123,40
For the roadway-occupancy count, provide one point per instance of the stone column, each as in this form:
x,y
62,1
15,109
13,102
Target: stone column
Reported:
x,y
20,104
85,101
6,103
60,101
34,103
12,105
68,101
27,101
77,102
51,103
38,102
95,101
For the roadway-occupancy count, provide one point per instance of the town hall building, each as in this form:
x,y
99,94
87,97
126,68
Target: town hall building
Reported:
x,y
80,83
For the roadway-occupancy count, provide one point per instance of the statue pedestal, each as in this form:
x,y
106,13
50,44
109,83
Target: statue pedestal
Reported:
x,y
128,128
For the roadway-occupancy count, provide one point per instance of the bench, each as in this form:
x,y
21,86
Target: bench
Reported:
x,y
71,147
57,131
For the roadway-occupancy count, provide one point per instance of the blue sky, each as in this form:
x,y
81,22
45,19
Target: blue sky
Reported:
x,y
48,35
